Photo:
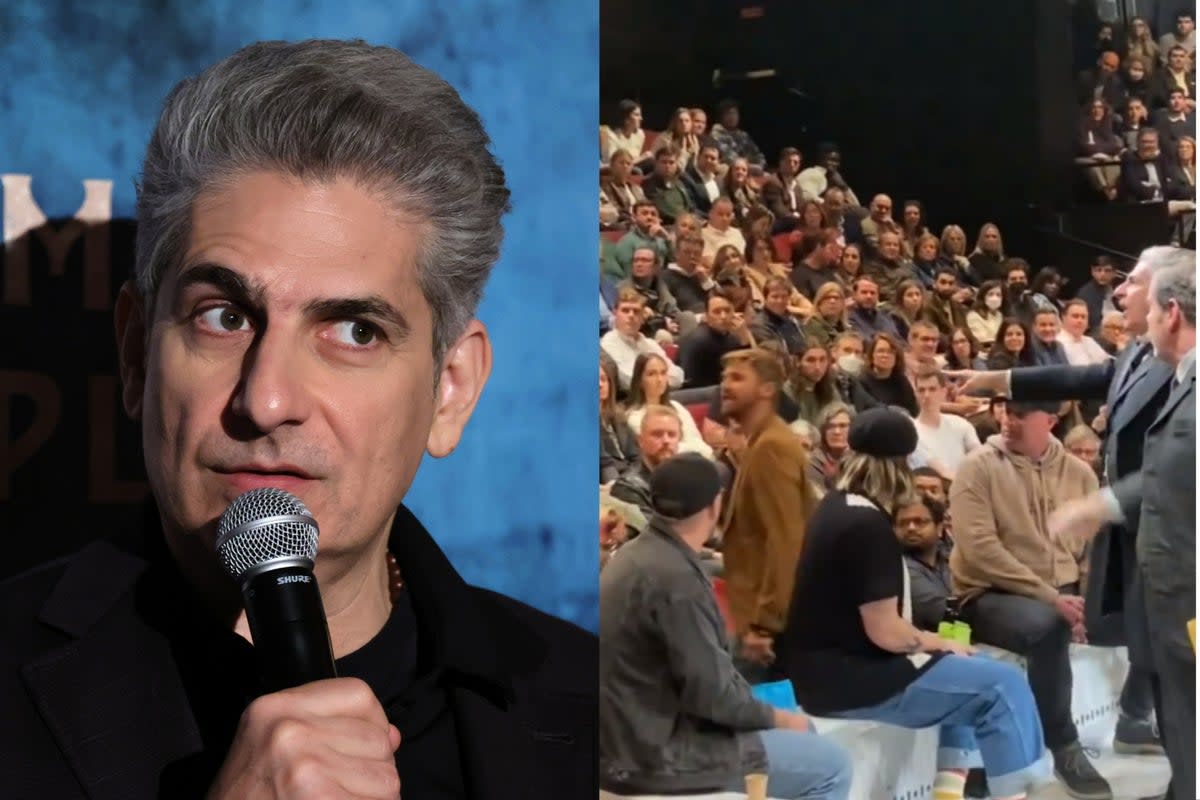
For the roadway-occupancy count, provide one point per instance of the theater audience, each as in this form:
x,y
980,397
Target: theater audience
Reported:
x,y
853,651
646,280
1097,293
986,314
833,427
647,231
816,255
699,122
769,505
1175,121
1144,172
649,387
621,193
848,225
687,278
826,174
679,137
928,483
774,323
889,267
849,266
625,342
913,227
1136,117
1016,285
848,364
942,309
665,189
1103,82
782,194
944,439
885,377
962,351
722,331
988,256
659,429
1113,337
925,259
675,716
618,443
879,219
1045,291
1020,585
1139,43
1098,148
1177,74
1047,351
1083,443
1136,79
625,133
740,192
760,268
1183,36
953,252
919,522
1079,348
721,231
923,343
906,306
865,317
813,385
1013,347
829,321
703,177
733,141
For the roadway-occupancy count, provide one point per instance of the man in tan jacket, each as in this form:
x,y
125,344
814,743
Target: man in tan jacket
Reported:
x,y
769,506
1021,587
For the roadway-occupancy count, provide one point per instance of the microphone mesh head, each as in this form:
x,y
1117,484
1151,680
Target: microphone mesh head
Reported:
x,y
248,538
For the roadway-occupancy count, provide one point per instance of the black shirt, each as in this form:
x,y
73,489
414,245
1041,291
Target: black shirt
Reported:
x,y
851,557
219,676
894,390
700,355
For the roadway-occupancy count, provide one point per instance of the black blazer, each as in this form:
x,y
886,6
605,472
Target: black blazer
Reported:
x,y
92,706
1134,398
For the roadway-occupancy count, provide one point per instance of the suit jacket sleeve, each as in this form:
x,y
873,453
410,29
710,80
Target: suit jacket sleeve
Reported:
x,y
978,542
1128,491
776,471
1089,382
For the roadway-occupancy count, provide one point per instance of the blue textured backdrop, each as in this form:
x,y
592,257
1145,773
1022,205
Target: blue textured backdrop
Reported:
x,y
515,505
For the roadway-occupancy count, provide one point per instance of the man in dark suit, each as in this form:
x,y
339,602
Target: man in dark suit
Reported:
x,y
127,671
1135,386
1144,173
781,191
1161,496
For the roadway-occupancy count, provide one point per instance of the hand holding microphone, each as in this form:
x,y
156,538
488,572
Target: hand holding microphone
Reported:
x,y
315,735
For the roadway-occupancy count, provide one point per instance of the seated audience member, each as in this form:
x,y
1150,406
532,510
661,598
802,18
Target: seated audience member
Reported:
x,y
621,192
1140,43
774,322
679,137
848,226
1175,121
907,306
618,443
647,231
812,223
889,268
941,306
1016,288
781,192
645,278
733,141
675,715
1136,78
1045,291
626,133
1181,179
625,342
658,429
953,252
665,189
737,187
962,351
927,482
1013,347
760,267
829,320
826,174
1020,586
1098,148
703,177
987,313
923,343
1183,36
1144,171
1103,82
649,387
833,426
720,230
688,280
699,122
1083,443
879,219
1113,337
1080,349
849,266
925,259
853,650
813,384
1047,351
865,317
919,521
1134,119
722,331
1097,293
913,226
885,377
945,439
1177,75
769,506
817,256
987,258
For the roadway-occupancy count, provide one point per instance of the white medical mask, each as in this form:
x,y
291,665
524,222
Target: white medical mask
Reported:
x,y
993,302
851,365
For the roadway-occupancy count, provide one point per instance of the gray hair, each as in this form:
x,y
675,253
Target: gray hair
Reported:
x,y
802,427
319,110
1176,282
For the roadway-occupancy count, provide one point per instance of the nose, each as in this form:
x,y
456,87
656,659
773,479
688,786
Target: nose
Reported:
x,y
272,392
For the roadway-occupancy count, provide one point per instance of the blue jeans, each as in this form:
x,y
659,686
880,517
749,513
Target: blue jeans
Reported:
x,y
985,709
803,766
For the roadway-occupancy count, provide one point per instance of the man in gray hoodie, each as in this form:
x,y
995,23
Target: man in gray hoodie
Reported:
x,y
675,715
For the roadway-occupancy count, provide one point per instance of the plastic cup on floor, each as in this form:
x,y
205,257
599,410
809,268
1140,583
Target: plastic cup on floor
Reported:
x,y
756,786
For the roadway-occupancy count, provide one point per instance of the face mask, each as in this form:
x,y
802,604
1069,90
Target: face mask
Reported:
x,y
851,365
994,302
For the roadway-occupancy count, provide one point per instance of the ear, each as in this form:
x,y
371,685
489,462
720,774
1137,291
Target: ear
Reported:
x,y
130,321
465,370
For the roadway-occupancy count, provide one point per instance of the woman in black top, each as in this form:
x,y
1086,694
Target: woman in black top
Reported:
x,y
850,647
988,257
1098,148
884,377
1013,347
618,445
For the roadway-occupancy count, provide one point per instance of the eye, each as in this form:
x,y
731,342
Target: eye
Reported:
x,y
227,319
356,333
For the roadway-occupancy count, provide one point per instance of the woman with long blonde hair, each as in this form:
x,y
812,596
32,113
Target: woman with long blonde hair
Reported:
x,y
679,135
987,259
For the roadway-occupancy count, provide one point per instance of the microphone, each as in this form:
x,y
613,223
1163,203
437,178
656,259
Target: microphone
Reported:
x,y
267,542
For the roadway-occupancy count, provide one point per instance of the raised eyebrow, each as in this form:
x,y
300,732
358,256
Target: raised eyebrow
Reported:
x,y
238,287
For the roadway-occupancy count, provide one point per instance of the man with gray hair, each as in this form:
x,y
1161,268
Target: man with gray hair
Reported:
x,y
316,223
1162,497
